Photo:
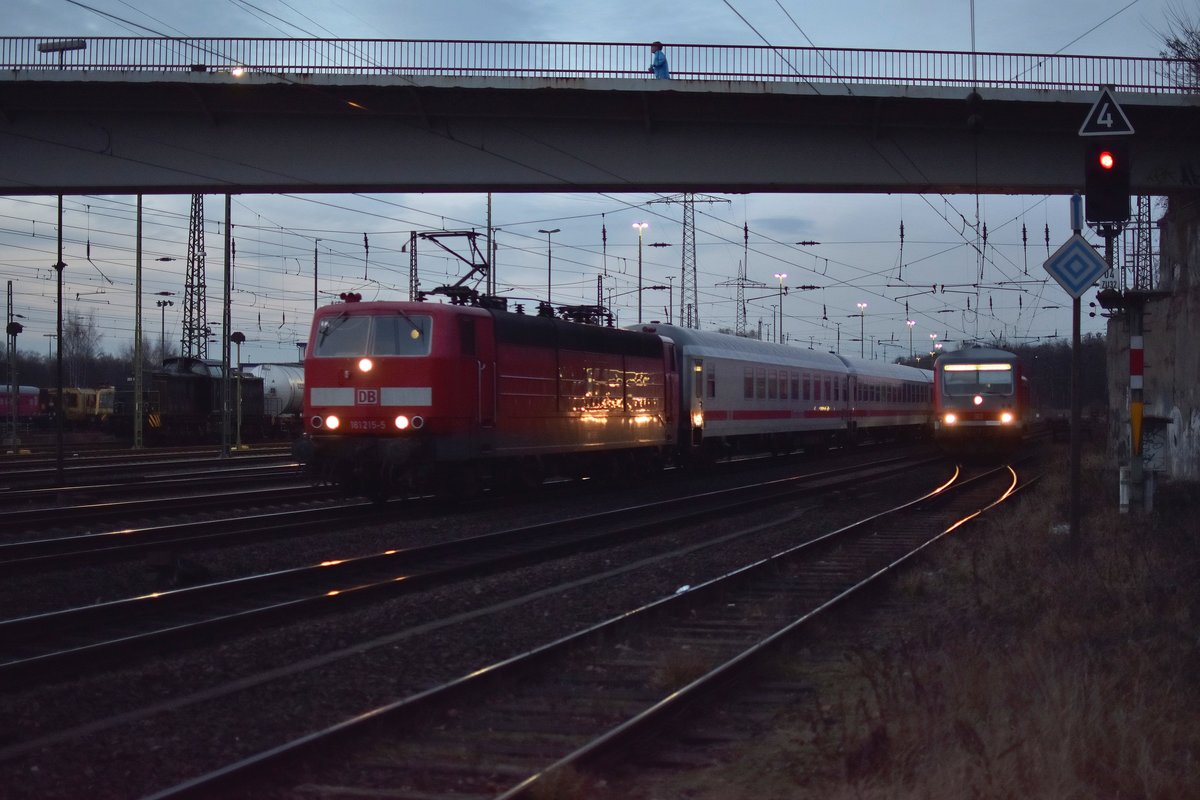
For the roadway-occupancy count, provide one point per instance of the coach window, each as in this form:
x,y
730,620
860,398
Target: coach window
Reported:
x,y
760,383
710,378
795,385
828,391
783,385
748,384
807,387
773,385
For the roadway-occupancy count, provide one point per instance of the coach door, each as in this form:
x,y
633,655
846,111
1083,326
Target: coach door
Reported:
x,y
694,399
853,400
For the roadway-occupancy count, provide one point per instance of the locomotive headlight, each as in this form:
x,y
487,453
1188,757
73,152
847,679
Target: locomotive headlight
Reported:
x,y
697,419
401,422
950,419
978,400
365,364
1006,418
332,422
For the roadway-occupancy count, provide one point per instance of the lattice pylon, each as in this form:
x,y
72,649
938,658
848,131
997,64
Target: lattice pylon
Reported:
x,y
689,300
195,307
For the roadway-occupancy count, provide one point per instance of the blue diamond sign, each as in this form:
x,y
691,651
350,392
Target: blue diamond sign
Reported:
x,y
1076,266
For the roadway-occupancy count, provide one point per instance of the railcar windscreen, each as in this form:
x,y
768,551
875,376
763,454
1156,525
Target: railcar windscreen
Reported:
x,y
977,380
382,335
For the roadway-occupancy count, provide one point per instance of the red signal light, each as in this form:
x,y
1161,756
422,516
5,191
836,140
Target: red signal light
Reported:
x,y
1106,180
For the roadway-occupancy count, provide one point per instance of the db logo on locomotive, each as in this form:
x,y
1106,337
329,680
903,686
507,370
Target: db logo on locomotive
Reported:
x,y
366,397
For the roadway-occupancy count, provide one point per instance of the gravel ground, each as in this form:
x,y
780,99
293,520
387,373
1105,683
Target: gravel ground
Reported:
x,y
371,655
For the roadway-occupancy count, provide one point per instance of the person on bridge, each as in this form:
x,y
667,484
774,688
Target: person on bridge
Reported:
x,y
658,62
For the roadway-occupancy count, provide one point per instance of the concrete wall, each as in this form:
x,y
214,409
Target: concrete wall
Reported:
x,y
1172,350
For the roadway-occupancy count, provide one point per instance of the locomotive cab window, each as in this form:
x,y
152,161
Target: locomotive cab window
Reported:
x,y
385,335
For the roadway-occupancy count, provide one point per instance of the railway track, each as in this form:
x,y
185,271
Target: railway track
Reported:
x,y
92,548
543,720
128,466
386,651
45,507
55,645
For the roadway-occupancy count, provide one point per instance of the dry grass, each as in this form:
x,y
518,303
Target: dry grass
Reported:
x,y
1034,672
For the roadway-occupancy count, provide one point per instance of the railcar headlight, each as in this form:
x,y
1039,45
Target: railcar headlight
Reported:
x,y
332,422
365,365
698,419
401,422
950,419
1006,418
978,400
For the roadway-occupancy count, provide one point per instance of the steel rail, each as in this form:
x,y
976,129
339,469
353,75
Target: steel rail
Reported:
x,y
134,468
107,546
201,491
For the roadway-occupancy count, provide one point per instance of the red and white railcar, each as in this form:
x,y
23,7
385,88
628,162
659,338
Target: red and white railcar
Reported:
x,y
981,399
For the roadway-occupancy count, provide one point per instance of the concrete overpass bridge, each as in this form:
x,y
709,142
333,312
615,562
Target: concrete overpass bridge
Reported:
x,y
178,115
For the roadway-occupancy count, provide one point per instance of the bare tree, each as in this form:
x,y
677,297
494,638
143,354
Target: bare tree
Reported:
x,y
1182,41
81,346
148,350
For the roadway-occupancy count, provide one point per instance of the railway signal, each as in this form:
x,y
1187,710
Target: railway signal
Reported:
x,y
1106,180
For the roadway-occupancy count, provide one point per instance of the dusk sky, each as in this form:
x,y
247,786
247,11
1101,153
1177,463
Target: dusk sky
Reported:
x,y
861,257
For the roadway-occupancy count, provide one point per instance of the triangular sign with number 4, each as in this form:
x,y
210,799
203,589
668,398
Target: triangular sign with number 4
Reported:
x,y
1106,118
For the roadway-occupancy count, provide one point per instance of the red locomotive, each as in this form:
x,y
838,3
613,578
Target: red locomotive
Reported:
x,y
28,407
402,395
981,400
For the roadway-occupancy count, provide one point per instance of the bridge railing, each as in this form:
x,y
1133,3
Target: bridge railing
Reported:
x,y
825,69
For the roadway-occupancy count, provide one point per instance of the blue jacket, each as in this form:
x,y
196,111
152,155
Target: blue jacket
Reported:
x,y
658,65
